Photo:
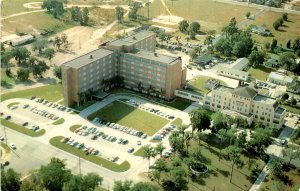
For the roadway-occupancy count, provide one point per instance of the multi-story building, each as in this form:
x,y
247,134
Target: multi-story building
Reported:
x,y
246,102
132,58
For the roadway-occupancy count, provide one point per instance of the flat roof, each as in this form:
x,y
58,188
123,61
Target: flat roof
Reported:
x,y
85,58
264,99
132,39
240,63
153,56
279,110
280,76
224,89
232,71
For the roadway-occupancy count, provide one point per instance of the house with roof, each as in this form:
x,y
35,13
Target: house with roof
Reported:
x,y
232,73
240,64
246,101
203,60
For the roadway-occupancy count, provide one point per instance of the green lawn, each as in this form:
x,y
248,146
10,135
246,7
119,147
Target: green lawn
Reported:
x,y
59,121
52,93
260,72
13,103
177,122
199,84
130,116
21,129
178,104
83,106
139,152
6,82
55,141
10,7
74,127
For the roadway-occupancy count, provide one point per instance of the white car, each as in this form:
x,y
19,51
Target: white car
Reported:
x,y
1,138
13,146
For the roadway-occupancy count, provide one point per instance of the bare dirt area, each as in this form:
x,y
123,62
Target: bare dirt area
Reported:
x,y
167,19
78,38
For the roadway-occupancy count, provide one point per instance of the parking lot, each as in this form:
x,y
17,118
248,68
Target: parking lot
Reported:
x,y
95,138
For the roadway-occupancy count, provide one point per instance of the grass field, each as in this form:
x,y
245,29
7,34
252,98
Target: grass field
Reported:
x,y
289,31
199,83
130,116
289,108
210,14
6,82
10,7
260,72
52,93
74,127
30,24
55,141
21,129
139,152
59,121
5,147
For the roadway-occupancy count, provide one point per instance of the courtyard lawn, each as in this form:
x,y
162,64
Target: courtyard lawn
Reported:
x,y
199,83
59,121
55,141
12,104
260,72
74,127
178,104
130,116
21,129
139,152
289,108
51,93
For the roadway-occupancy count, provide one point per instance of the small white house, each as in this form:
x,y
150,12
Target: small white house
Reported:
x,y
21,40
279,78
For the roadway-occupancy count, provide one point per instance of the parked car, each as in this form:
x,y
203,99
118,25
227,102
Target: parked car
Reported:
x,y
130,150
1,138
13,146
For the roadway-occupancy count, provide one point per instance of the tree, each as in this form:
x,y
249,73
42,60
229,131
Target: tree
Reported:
x,y
276,25
200,136
256,58
177,142
277,186
275,167
160,166
222,137
54,7
280,21
23,74
10,180
122,186
20,54
224,46
85,16
234,154
248,15
273,44
159,149
75,183
39,68
49,53
29,185
291,154
287,59
241,122
231,28
183,26
219,123
144,186
92,180
285,16
148,152
162,36
39,45
178,176
261,138
57,42
288,44
5,59
120,13
200,120
54,175
267,45
193,54
57,72
194,27
147,4
296,46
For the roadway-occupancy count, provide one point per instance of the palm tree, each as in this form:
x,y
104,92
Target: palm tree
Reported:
x,y
222,136
234,153
57,42
148,6
148,152
160,166
199,136
159,149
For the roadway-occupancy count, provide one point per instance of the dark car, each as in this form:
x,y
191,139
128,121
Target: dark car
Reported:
x,y
8,117
32,97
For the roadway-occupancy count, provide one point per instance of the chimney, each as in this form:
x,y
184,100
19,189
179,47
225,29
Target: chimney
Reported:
x,y
91,56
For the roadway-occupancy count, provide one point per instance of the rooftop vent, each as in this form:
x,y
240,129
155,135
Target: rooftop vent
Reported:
x,y
155,54
91,56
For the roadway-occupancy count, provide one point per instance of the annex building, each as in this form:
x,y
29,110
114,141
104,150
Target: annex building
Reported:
x,y
133,59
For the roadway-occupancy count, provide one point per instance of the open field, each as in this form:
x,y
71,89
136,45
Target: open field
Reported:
x,y
10,7
130,116
210,14
21,129
55,141
30,24
74,127
177,122
52,93
199,83
260,72
289,31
